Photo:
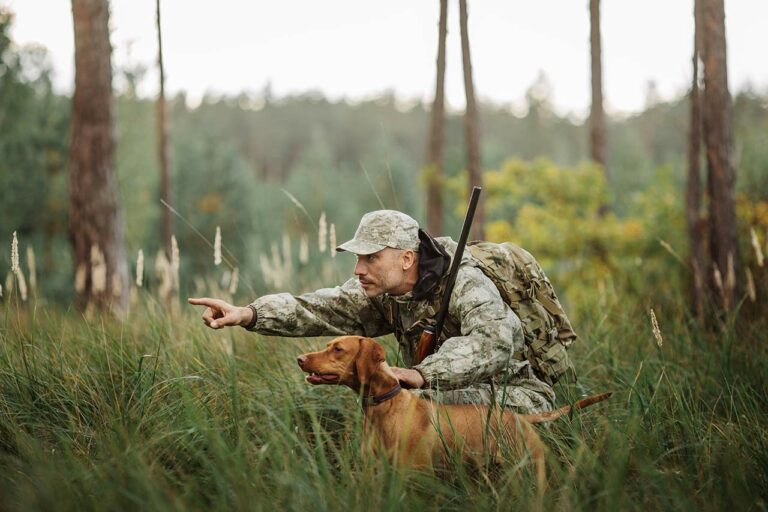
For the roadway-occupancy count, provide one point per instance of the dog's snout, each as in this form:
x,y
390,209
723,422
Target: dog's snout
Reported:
x,y
302,360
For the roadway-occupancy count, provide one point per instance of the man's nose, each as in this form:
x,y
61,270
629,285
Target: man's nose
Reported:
x,y
302,360
360,269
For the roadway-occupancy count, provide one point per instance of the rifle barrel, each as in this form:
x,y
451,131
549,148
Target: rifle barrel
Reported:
x,y
456,262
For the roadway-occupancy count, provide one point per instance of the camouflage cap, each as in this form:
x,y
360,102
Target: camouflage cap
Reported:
x,y
383,228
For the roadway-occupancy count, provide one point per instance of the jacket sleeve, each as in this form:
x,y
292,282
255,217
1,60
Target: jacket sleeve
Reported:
x,y
338,311
490,334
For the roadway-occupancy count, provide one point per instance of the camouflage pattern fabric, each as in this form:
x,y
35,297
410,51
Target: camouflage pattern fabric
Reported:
x,y
383,228
474,364
525,396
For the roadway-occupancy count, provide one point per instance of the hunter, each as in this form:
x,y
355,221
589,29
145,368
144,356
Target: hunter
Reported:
x,y
399,276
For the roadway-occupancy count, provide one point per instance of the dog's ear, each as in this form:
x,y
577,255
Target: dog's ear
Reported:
x,y
368,359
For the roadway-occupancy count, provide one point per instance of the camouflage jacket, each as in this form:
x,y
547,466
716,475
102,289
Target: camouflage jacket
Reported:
x,y
480,335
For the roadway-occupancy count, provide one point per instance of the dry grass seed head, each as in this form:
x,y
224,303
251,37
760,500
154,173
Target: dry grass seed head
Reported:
x,y
751,291
322,233
730,275
16,269
80,275
32,266
22,285
332,248
233,281
98,270
226,276
757,248
287,253
278,268
304,249
163,272
718,278
14,253
656,330
217,247
140,269
175,263
266,268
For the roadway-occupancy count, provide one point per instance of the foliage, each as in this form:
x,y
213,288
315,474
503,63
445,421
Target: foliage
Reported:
x,y
237,161
34,145
751,143
159,413
555,213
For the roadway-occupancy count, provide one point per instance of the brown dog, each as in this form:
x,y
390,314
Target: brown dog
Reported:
x,y
419,433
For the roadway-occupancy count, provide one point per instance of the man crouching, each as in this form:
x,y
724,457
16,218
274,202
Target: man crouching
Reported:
x,y
399,281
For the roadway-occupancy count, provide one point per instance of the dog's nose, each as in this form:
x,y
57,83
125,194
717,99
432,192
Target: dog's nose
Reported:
x,y
302,360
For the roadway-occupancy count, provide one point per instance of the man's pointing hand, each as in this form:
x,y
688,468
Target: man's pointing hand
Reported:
x,y
219,313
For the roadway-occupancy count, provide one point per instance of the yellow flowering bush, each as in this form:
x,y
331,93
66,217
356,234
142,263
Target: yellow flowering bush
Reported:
x,y
591,256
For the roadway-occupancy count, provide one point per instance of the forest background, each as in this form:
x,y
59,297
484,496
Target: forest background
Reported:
x,y
278,176
239,161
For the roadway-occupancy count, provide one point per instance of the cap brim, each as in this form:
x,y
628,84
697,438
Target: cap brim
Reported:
x,y
360,247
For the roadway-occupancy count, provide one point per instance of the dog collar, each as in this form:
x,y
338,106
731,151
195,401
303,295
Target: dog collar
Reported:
x,y
376,400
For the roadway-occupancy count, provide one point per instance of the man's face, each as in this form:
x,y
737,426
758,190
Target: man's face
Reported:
x,y
384,272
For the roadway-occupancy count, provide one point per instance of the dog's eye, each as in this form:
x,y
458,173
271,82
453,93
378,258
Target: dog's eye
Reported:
x,y
337,348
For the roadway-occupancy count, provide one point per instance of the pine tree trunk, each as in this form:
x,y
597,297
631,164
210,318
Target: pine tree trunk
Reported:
x,y
696,226
96,227
721,174
471,126
162,144
597,114
437,134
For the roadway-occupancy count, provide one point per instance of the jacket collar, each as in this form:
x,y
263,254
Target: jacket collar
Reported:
x,y
433,265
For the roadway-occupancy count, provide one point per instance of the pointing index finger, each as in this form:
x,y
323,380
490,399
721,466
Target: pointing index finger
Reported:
x,y
203,301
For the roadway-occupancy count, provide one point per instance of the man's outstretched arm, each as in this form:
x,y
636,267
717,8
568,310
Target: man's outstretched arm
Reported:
x,y
335,311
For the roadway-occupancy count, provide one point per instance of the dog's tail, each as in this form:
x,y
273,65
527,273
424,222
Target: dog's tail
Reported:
x,y
553,415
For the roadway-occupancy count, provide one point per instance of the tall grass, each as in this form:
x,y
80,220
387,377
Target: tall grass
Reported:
x,y
161,413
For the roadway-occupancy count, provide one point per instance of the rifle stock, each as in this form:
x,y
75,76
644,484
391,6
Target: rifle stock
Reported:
x,y
426,344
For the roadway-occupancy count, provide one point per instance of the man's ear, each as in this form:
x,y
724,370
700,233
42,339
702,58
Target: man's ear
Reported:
x,y
409,259
369,357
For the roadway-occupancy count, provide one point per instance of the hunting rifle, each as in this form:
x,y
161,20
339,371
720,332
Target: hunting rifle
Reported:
x,y
431,334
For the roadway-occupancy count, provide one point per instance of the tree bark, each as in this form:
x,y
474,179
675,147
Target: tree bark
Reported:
x,y
696,226
597,114
162,144
95,223
437,134
721,173
471,126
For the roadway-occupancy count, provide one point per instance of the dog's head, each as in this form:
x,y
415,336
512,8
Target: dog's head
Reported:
x,y
349,360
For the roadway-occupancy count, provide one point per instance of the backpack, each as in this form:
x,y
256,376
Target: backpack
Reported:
x,y
524,287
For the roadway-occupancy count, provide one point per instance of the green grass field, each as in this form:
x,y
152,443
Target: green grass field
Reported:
x,y
161,413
